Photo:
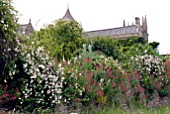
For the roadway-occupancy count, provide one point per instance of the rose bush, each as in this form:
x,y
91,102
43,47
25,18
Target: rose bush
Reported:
x,y
41,86
151,66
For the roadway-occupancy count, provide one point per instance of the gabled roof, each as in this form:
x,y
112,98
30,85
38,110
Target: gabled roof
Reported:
x,y
26,28
113,31
67,16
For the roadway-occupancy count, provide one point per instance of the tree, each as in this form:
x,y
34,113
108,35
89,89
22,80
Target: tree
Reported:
x,y
61,39
8,56
154,44
8,28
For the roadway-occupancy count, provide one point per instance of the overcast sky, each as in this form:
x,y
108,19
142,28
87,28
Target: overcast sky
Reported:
x,y
102,14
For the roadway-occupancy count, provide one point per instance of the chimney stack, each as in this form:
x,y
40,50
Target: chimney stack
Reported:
x,y
29,20
124,23
137,21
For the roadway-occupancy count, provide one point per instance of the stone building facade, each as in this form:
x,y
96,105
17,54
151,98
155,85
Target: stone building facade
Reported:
x,y
26,29
139,29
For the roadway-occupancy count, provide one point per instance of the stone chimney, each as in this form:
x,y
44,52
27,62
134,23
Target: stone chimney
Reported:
x,y
29,20
137,22
124,23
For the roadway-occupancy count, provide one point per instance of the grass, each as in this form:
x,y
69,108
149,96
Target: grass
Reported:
x,y
160,110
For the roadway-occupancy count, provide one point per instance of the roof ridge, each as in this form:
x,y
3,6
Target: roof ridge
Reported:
x,y
110,28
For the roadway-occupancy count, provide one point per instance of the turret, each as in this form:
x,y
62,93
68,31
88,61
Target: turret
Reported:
x,y
67,16
146,26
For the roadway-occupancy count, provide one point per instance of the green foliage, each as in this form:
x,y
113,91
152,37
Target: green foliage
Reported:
x,y
115,72
8,27
40,86
105,45
8,56
114,47
7,96
154,44
94,79
142,110
146,61
163,83
61,39
68,31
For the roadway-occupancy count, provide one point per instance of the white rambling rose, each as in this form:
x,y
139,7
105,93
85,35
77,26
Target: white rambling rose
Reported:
x,y
41,66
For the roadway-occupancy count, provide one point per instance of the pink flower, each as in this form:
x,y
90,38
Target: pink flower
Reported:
x,y
122,87
168,77
116,77
114,84
111,75
78,99
89,88
97,67
6,95
143,90
70,85
14,98
144,96
100,93
108,69
86,60
91,74
6,87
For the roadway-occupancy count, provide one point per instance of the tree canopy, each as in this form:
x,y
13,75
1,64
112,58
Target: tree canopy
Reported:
x,y
61,38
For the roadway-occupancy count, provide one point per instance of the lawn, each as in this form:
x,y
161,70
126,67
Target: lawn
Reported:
x,y
160,110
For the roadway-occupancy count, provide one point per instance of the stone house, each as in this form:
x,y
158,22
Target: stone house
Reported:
x,y
139,30
26,29
126,31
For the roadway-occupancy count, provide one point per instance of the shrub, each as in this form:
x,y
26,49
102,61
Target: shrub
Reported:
x,y
106,45
114,47
94,79
8,57
146,61
163,83
61,38
7,97
8,28
40,85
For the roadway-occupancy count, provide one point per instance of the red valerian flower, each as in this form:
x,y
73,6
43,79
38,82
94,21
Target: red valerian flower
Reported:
x,y
6,95
122,87
6,87
108,69
100,93
14,97
86,60
70,85
114,84
78,99
91,74
143,90
168,77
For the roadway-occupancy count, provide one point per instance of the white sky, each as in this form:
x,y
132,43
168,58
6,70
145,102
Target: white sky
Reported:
x,y
102,14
